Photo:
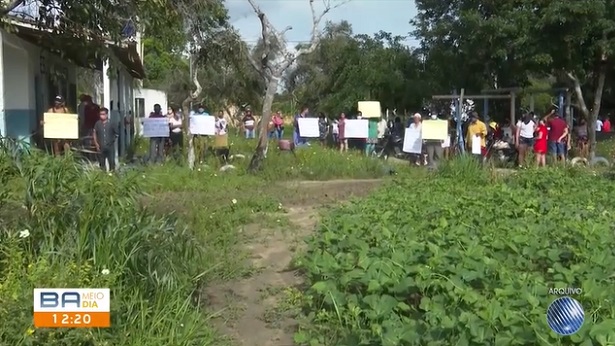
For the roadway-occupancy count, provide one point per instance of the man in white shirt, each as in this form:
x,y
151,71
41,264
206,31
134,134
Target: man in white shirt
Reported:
x,y
221,124
599,125
416,124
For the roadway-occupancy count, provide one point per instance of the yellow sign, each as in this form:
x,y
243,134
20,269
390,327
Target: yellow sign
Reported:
x,y
435,130
61,126
221,141
370,109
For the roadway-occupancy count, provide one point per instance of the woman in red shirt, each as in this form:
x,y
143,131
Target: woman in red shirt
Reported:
x,y
540,144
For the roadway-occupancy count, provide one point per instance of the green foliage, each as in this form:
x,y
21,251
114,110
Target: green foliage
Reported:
x,y
345,69
88,230
412,266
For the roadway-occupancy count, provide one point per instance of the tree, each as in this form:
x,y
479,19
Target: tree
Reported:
x,y
346,68
473,44
579,47
509,41
274,60
202,31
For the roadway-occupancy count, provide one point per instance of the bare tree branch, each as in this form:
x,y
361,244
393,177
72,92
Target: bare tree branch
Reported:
x,y
287,29
290,58
316,19
195,80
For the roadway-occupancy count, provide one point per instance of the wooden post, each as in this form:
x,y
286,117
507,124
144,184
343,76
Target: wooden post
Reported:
x,y
513,107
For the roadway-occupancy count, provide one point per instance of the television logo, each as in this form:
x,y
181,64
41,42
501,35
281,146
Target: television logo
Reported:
x,y
72,307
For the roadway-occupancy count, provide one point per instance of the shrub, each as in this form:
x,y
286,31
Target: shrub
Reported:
x,y
87,230
443,262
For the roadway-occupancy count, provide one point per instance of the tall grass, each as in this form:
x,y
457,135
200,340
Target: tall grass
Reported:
x,y
310,163
89,230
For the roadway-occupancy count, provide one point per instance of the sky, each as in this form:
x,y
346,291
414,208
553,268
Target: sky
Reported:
x,y
366,17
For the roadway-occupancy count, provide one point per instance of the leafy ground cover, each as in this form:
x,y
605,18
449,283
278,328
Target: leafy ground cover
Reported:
x,y
462,258
156,235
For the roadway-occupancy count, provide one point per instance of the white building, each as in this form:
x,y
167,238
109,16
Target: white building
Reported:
x,y
145,99
32,73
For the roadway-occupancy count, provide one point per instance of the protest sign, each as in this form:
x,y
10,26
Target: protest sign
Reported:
x,y
155,127
221,141
434,130
308,127
61,126
477,143
203,125
370,109
356,128
413,143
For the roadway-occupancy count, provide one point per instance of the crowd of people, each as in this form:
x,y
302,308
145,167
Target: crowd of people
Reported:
x,y
550,134
547,135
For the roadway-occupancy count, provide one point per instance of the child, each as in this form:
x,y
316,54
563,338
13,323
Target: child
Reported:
x,y
540,145
335,131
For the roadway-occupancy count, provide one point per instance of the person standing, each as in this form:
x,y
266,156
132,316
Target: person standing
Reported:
x,y
58,146
278,123
557,133
372,136
477,128
416,124
606,124
88,115
581,132
335,132
156,144
297,139
199,141
323,128
524,137
105,135
176,135
434,147
599,125
249,122
342,133
221,124
540,145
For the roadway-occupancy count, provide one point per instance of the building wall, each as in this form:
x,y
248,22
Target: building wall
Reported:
x,y
150,98
20,62
26,86
144,100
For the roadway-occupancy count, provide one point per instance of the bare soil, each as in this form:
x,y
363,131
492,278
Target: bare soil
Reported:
x,y
252,311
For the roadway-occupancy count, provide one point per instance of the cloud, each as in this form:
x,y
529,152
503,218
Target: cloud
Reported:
x,y
366,16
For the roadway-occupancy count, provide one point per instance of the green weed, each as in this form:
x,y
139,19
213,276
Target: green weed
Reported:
x,y
456,259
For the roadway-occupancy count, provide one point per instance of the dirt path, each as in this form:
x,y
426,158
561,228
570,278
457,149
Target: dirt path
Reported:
x,y
255,311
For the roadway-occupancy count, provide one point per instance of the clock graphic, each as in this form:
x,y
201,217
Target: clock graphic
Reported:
x,y
565,316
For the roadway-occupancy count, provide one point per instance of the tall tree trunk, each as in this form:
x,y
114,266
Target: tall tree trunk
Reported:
x,y
263,136
186,106
591,115
595,111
